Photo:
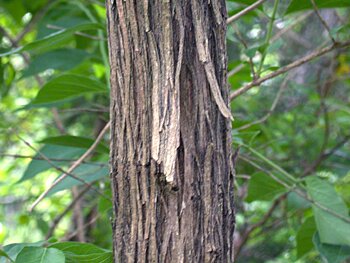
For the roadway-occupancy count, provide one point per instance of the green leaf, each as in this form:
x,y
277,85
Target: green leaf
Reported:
x,y
62,59
274,46
12,250
40,255
68,86
262,187
332,229
14,8
240,77
305,235
83,253
297,5
332,253
7,76
75,141
53,152
54,104
87,172
3,254
53,39
296,202
250,52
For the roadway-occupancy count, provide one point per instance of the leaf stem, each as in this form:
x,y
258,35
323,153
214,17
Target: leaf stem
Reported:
x,y
268,36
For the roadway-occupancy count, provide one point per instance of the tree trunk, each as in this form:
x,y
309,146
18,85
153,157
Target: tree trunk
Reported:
x,y
171,169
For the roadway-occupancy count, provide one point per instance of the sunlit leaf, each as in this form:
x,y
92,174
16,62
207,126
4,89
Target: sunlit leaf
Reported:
x,y
55,153
87,172
305,235
12,250
68,86
332,253
40,255
75,141
83,253
3,254
53,39
62,59
332,229
262,187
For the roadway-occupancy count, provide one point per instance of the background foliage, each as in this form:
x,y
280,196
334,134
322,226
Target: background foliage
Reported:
x,y
292,131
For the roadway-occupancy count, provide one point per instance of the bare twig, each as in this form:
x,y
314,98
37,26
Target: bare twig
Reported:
x,y
287,68
52,159
84,110
33,22
268,37
321,90
78,216
289,27
75,165
244,43
300,40
76,33
273,106
61,170
324,23
297,191
278,180
325,155
235,70
244,11
39,80
247,232
58,219
73,234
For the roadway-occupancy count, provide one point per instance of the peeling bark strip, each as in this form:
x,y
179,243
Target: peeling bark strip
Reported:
x,y
171,173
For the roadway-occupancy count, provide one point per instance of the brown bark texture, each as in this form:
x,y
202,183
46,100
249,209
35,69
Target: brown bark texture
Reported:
x,y
171,168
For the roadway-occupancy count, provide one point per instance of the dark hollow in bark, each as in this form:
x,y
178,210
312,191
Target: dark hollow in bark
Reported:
x,y
172,176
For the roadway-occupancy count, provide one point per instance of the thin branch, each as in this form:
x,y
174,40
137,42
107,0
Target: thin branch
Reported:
x,y
75,165
300,40
278,180
273,106
84,110
78,216
235,70
324,156
244,11
52,159
297,191
247,232
58,121
244,43
289,67
324,23
289,27
58,219
268,36
39,80
60,170
50,26
7,35
243,176
33,22
73,234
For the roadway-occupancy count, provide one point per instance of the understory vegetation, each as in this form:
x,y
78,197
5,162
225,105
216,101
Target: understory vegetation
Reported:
x,y
289,81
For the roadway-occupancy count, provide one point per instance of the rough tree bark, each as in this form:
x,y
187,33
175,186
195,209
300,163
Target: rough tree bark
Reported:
x,y
171,169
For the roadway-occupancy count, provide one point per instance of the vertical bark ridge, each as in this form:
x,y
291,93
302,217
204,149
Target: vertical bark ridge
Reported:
x,y
170,139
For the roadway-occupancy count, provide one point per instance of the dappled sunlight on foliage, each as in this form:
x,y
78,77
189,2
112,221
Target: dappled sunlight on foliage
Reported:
x,y
289,80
